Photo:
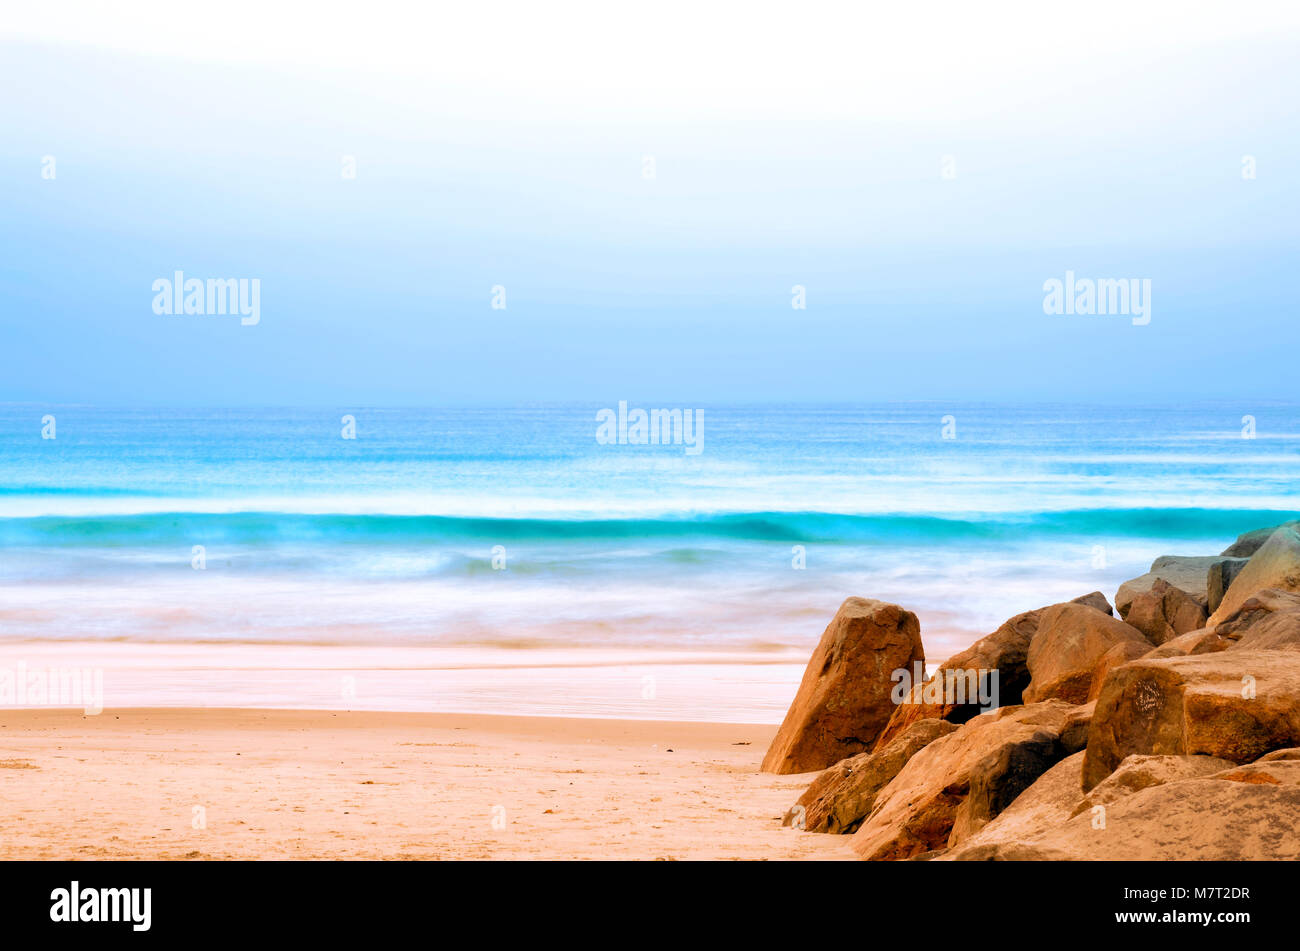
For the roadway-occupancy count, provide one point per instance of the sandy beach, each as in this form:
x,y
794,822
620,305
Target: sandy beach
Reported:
x,y
188,783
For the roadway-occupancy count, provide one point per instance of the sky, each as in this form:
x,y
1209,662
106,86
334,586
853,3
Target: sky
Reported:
x,y
645,187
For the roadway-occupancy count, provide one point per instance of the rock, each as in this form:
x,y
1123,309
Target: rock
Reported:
x,y
1257,608
1220,576
1213,818
954,785
844,699
1287,754
1279,631
1005,650
1074,735
841,797
1096,600
1037,811
1203,641
1138,772
1070,642
1275,565
1251,542
1237,705
1121,653
1164,612
1181,571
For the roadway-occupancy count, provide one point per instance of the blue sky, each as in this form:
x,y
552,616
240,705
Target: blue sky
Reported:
x,y
1074,148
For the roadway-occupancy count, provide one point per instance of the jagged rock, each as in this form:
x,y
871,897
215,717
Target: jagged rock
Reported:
x,y
1067,648
844,699
1164,612
1219,578
1189,573
1250,542
841,797
1234,704
1203,641
949,789
1275,565
1074,735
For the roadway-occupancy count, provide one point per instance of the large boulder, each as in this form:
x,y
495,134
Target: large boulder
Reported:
x,y
841,797
844,700
1219,578
1164,612
949,789
1275,565
1070,642
1182,571
1234,704
1250,542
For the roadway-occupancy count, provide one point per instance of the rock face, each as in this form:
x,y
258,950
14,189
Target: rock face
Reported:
x,y
957,783
1203,641
1222,817
1251,542
1071,641
841,797
844,699
1275,565
1219,578
1187,573
1139,772
1234,704
1258,607
1164,612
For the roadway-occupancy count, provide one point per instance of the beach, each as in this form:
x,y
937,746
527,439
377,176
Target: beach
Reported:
x,y
300,784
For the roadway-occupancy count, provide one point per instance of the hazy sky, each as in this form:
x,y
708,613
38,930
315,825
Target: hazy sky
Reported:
x,y
921,173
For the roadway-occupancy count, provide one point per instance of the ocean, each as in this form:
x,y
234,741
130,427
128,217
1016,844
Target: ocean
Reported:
x,y
514,529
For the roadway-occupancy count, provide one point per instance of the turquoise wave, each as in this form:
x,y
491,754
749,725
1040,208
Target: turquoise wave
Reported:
x,y
269,528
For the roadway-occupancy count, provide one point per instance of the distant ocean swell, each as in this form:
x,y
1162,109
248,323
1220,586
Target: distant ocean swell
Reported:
x,y
260,528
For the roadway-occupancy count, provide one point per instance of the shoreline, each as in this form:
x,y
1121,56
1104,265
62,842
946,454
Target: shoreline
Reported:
x,y
322,784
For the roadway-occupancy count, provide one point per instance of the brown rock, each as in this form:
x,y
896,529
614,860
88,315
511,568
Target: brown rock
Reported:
x,y
1213,818
1203,641
844,699
1138,772
954,785
1164,612
841,797
1219,578
1121,653
1037,811
1275,565
1070,643
1251,542
1256,608
1233,704
1189,573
